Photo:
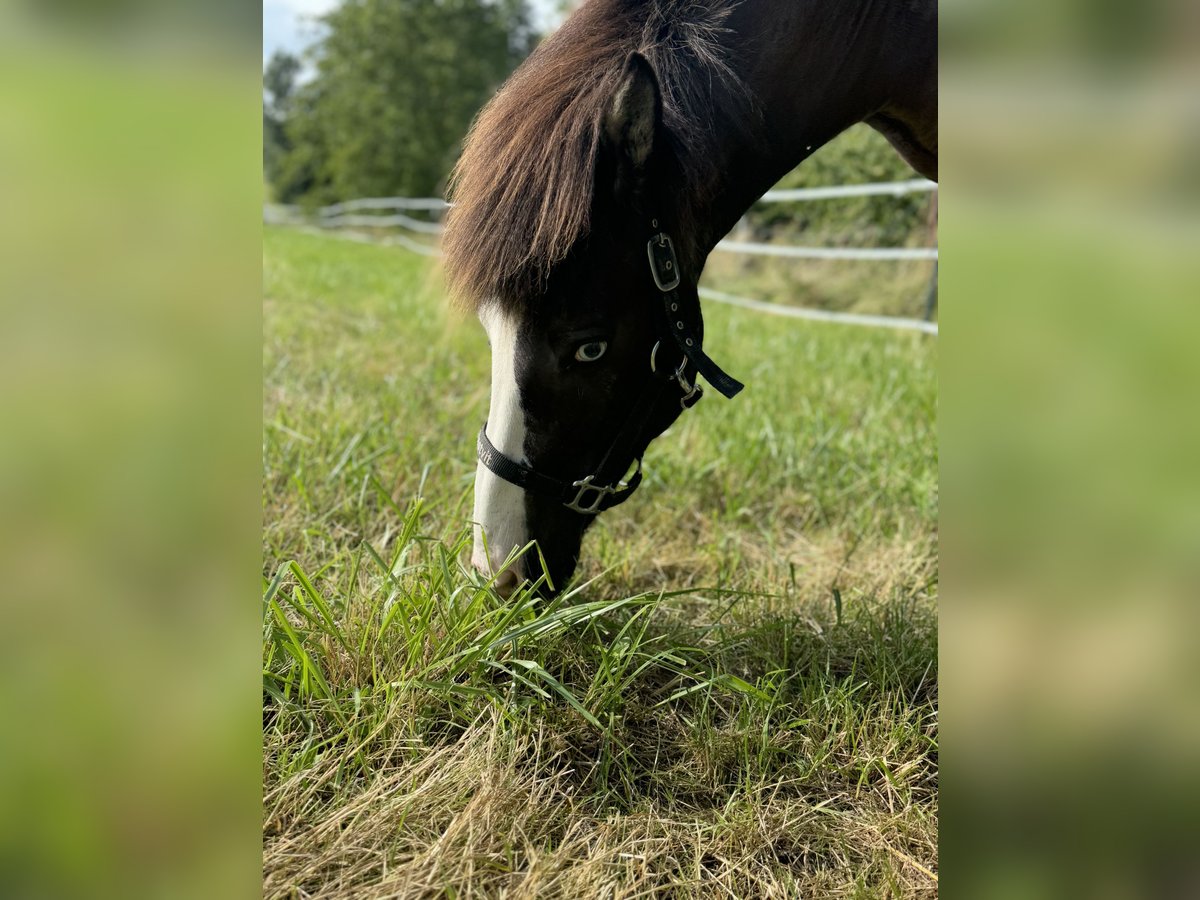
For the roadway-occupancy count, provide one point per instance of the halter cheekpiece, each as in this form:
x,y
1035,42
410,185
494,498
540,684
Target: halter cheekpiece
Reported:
x,y
608,486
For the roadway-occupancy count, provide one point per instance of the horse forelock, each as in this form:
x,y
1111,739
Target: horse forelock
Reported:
x,y
523,187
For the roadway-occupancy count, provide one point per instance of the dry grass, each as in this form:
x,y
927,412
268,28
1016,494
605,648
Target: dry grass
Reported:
x,y
486,811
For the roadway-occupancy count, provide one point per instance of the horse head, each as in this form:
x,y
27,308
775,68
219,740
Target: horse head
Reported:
x,y
593,355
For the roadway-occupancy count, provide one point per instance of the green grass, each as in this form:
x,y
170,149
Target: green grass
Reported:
x,y
736,697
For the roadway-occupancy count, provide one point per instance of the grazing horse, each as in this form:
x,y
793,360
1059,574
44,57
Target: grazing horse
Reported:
x,y
590,191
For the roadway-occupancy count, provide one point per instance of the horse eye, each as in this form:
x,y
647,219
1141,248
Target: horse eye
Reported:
x,y
591,351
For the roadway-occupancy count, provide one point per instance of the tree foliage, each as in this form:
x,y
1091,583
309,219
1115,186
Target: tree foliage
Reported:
x,y
397,83
279,81
859,155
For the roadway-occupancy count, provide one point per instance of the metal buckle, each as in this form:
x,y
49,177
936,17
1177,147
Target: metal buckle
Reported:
x,y
664,265
599,490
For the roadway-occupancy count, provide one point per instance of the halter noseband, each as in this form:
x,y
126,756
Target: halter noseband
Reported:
x,y
607,486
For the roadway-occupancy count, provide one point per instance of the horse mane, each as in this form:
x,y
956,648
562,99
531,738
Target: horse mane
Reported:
x,y
523,187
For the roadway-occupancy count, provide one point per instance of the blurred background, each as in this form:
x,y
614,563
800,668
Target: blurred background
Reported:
x,y
135,168
1069,441
373,99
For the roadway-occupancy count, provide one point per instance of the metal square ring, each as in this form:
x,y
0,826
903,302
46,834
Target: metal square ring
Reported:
x,y
584,486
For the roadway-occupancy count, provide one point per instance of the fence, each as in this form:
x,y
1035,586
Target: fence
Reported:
x,y
388,214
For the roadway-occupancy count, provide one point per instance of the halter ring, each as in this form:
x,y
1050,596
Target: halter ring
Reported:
x,y
598,492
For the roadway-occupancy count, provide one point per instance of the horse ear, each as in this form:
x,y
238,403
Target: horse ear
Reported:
x,y
632,125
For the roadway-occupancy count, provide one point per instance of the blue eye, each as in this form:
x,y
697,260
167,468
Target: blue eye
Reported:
x,y
591,351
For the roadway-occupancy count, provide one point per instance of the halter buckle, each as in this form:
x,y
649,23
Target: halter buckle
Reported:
x,y
664,265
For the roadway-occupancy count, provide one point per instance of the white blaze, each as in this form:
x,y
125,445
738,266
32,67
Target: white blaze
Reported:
x,y
500,506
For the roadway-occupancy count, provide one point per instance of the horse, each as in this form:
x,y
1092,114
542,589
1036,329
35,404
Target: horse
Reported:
x,y
589,193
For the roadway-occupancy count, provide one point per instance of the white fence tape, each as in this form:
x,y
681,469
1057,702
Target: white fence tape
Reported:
x,y
281,214
434,204
395,220
828,252
336,216
821,315
399,220
879,189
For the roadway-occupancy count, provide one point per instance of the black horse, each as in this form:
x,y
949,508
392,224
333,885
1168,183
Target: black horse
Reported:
x,y
589,194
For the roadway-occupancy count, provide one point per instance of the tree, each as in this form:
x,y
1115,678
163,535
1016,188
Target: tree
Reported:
x,y
279,81
397,84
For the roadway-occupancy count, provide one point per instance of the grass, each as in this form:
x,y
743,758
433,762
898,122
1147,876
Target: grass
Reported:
x,y
736,697
874,287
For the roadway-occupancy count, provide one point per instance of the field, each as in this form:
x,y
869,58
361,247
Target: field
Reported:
x,y
736,698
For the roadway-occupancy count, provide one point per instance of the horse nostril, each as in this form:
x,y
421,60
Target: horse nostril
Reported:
x,y
506,582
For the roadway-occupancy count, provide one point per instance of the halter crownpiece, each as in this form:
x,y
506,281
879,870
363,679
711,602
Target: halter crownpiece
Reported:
x,y
607,486
664,266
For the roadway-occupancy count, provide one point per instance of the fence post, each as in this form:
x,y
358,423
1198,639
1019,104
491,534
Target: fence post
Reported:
x,y
931,295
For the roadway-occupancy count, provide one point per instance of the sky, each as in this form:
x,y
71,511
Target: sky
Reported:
x,y
288,24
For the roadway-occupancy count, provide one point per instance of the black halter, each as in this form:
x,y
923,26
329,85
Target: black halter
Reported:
x,y
607,486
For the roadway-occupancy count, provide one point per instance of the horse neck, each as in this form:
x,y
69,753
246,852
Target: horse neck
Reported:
x,y
813,71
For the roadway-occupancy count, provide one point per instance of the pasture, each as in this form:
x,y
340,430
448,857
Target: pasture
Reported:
x,y
737,697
